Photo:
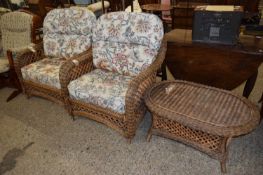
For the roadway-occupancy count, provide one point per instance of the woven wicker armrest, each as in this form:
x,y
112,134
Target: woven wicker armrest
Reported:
x,y
25,56
75,67
138,85
28,55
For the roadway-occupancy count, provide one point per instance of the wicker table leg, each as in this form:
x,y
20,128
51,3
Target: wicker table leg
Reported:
x,y
149,136
224,153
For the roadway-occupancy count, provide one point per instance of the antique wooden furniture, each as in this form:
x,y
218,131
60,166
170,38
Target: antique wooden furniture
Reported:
x,y
41,7
18,30
109,85
250,6
119,5
143,2
38,69
182,12
153,8
203,117
158,9
222,66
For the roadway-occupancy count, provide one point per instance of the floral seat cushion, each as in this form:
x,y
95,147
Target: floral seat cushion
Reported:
x,y
102,88
45,71
126,43
68,32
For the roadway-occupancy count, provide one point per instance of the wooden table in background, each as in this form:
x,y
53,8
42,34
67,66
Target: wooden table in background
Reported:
x,y
222,66
152,8
158,9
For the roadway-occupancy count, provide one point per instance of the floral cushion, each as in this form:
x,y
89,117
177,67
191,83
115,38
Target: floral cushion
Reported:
x,y
45,71
133,38
102,88
126,59
57,45
67,32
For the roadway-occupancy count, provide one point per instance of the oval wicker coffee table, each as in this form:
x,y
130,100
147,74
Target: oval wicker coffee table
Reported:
x,y
203,117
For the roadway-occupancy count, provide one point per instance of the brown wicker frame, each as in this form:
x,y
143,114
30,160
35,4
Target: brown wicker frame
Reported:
x,y
194,127
35,88
126,123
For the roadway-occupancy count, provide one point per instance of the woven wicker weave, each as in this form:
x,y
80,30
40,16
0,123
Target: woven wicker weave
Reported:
x,y
135,109
33,88
200,116
62,35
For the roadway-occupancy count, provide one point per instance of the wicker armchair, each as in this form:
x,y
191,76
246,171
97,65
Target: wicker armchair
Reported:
x,y
17,32
67,35
127,50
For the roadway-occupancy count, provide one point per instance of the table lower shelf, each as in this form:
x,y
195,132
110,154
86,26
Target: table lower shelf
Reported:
x,y
213,145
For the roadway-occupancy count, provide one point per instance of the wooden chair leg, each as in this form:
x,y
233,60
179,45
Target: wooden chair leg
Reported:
x,y
13,95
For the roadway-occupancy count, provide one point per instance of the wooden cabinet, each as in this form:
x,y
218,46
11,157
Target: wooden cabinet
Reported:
x,y
183,11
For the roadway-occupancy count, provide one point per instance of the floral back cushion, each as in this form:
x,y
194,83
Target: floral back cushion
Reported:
x,y
68,32
125,42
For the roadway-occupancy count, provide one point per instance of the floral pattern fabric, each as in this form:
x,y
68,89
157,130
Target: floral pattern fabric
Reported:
x,y
101,87
126,59
45,71
68,32
126,42
57,45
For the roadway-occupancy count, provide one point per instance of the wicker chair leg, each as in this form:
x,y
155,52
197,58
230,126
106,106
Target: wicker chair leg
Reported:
x,y
129,140
149,137
28,96
223,166
26,93
73,117
71,114
69,109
